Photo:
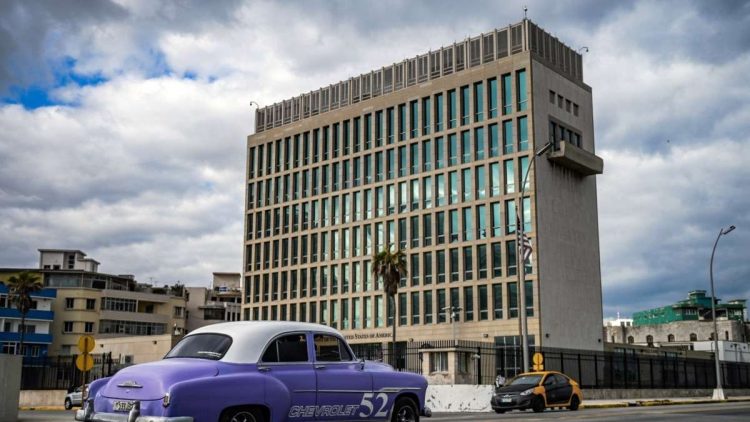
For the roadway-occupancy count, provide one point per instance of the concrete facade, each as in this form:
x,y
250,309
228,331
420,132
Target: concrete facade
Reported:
x,y
136,349
10,385
468,262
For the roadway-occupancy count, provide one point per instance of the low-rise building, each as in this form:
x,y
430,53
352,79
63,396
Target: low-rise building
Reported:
x,y
222,302
697,307
38,333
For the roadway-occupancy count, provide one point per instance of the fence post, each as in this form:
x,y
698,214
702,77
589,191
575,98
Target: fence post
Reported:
x,y
638,370
651,370
579,368
596,370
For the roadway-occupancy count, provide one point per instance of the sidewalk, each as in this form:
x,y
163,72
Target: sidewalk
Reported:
x,y
601,404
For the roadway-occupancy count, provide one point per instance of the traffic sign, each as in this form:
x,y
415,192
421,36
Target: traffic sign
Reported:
x,y
538,360
86,344
84,362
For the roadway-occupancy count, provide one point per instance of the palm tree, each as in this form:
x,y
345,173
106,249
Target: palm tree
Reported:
x,y
390,267
20,288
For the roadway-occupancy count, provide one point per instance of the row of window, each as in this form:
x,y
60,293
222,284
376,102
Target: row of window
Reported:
x,y
456,225
70,327
458,187
70,303
570,106
445,61
453,265
107,326
386,165
470,303
404,121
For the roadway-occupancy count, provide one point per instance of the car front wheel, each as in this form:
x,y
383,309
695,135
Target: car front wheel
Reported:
x,y
537,405
243,415
405,411
68,404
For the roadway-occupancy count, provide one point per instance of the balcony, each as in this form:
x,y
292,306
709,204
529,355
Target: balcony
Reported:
x,y
27,338
576,159
33,314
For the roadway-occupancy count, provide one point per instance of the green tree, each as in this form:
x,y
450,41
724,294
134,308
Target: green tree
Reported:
x,y
390,267
20,288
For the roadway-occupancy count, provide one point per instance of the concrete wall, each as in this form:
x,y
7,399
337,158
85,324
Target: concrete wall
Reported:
x,y
41,398
10,384
567,224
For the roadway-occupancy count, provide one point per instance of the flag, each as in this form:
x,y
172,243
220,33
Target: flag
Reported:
x,y
524,245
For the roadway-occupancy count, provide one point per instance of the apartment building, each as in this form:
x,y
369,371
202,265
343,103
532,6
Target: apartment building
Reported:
x,y
105,305
428,155
38,332
221,302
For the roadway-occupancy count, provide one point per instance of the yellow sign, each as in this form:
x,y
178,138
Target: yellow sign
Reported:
x,y
538,360
84,362
86,344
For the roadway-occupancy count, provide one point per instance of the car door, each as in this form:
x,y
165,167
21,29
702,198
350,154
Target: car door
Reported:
x,y
286,358
550,389
344,388
564,389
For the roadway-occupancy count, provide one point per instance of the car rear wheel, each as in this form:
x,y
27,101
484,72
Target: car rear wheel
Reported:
x,y
405,411
68,404
537,405
243,415
574,403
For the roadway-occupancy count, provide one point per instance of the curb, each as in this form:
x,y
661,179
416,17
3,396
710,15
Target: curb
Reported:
x,y
648,403
42,408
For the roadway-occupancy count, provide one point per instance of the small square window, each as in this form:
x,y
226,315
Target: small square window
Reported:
x,y
560,101
552,96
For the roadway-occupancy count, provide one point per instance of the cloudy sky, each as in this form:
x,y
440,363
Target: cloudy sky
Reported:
x,y
123,124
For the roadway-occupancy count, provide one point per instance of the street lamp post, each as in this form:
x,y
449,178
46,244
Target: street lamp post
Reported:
x,y
521,263
718,391
454,310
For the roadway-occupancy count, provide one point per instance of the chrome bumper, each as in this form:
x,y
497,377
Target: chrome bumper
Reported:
x,y
426,412
87,414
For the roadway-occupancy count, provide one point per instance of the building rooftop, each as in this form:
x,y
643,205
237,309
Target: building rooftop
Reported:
x,y
484,48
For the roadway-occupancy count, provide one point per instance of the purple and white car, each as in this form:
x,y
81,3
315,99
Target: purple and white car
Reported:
x,y
257,371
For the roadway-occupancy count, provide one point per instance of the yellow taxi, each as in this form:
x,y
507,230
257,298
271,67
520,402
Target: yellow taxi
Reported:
x,y
537,391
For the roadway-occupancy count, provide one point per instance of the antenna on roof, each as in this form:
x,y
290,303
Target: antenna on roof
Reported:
x,y
525,9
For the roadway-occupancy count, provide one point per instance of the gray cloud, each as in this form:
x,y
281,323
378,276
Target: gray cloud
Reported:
x,y
145,171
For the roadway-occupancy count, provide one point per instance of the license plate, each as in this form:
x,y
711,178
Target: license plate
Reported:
x,y
506,400
122,406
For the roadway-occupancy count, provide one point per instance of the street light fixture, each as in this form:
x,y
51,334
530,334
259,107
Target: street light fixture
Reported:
x,y
521,263
718,391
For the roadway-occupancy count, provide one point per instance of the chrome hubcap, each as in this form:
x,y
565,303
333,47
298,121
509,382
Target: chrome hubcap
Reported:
x,y
243,417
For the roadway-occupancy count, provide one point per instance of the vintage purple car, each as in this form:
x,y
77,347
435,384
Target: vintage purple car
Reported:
x,y
257,371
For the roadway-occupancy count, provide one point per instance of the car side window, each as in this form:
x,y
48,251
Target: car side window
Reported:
x,y
549,380
561,380
331,349
289,348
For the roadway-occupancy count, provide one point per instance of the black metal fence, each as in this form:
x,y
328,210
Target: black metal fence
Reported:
x,y
61,373
481,362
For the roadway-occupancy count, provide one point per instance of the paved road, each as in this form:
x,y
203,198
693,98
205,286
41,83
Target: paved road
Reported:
x,y
694,412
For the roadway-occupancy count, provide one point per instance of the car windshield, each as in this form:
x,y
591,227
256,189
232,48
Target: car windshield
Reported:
x,y
526,380
201,346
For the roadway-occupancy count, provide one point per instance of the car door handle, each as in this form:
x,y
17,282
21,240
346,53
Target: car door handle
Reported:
x,y
263,369
320,367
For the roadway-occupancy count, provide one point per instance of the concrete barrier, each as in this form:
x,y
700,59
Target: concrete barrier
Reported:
x,y
10,384
459,398
41,398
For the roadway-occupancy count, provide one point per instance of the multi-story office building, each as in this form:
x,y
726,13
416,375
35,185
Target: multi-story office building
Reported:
x,y
38,334
105,305
428,155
